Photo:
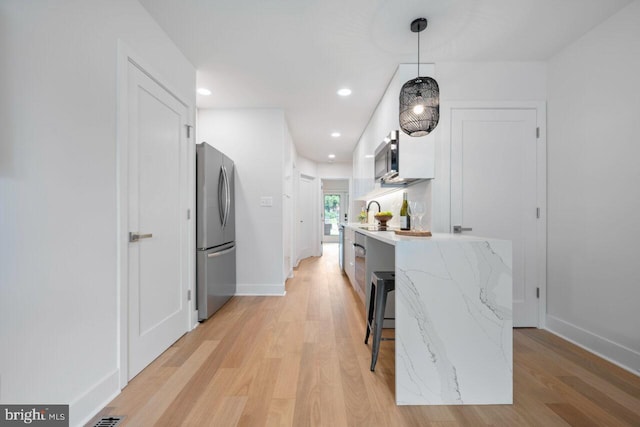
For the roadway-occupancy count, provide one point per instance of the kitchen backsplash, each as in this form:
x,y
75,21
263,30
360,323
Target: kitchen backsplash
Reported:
x,y
392,202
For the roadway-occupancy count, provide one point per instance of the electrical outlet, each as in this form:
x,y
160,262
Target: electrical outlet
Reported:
x,y
266,202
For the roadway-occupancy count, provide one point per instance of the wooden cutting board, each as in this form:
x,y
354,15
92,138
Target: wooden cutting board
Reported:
x,y
414,233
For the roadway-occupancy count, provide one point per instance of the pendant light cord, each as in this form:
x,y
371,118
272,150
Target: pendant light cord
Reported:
x,y
418,53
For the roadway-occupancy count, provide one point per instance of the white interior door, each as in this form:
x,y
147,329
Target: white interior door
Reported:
x,y
157,205
493,190
306,224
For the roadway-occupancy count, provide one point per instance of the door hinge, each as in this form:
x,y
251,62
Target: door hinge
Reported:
x,y
537,212
188,130
188,213
537,133
189,295
538,293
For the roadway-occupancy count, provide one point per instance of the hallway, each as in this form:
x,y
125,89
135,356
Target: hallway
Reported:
x,y
300,360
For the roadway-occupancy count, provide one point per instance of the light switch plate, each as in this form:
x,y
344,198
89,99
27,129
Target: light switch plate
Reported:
x,y
266,202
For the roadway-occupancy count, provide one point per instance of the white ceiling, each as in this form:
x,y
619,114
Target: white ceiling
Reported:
x,y
295,54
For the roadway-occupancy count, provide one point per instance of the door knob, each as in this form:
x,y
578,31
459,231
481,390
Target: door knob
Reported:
x,y
134,237
460,229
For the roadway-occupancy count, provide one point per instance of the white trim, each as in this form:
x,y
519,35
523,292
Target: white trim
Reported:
x,y
122,165
125,56
441,219
86,406
260,290
541,185
615,353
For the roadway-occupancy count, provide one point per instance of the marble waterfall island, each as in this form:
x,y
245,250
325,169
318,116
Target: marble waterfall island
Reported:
x,y
453,311
453,321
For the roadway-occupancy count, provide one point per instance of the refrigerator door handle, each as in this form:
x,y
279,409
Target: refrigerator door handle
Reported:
x,y
226,251
226,177
227,202
220,189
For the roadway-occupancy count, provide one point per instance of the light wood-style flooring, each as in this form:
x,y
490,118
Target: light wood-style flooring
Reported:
x,y
300,360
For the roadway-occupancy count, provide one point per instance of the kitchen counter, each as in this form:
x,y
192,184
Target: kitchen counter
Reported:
x,y
392,238
453,305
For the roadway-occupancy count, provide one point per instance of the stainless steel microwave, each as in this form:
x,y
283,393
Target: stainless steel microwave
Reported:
x,y
387,159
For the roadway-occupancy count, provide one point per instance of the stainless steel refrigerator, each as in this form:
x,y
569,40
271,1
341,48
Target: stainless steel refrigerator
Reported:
x,y
215,230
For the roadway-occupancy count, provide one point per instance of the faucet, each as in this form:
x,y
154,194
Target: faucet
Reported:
x,y
369,206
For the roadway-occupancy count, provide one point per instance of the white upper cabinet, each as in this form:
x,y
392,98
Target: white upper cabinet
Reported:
x,y
417,155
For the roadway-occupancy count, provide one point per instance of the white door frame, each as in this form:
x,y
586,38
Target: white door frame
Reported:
x,y
442,183
126,56
316,248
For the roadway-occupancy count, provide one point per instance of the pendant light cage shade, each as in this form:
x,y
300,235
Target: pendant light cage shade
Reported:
x,y
419,106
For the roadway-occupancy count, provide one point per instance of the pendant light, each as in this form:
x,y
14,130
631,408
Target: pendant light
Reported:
x,y
419,98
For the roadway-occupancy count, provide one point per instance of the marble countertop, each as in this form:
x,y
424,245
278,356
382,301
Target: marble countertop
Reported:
x,y
392,238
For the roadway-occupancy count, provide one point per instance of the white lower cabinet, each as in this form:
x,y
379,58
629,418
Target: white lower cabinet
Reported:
x,y
349,260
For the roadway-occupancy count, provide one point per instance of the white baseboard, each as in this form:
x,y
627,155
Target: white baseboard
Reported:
x,y
85,407
260,290
615,353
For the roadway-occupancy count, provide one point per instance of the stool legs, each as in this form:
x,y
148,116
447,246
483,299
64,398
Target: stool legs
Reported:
x,y
380,304
370,311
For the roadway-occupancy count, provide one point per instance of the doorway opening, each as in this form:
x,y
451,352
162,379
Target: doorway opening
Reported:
x,y
331,214
335,207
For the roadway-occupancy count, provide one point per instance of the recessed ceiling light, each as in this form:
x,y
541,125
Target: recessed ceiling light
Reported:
x,y
332,156
335,134
344,92
369,156
204,91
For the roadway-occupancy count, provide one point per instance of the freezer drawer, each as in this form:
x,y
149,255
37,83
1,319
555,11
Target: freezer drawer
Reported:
x,y
216,279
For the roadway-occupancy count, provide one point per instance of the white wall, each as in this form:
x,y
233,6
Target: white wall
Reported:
x,y
593,193
334,170
58,266
492,81
255,140
306,166
335,185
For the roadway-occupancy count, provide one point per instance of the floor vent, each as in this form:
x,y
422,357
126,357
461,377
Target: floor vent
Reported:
x,y
108,422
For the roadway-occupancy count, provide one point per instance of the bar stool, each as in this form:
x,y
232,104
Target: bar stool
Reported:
x,y
382,282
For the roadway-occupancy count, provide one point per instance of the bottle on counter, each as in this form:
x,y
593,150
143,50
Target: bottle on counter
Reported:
x,y
405,213
363,216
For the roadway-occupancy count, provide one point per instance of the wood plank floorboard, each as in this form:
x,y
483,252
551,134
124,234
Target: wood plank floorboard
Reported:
x,y
300,360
